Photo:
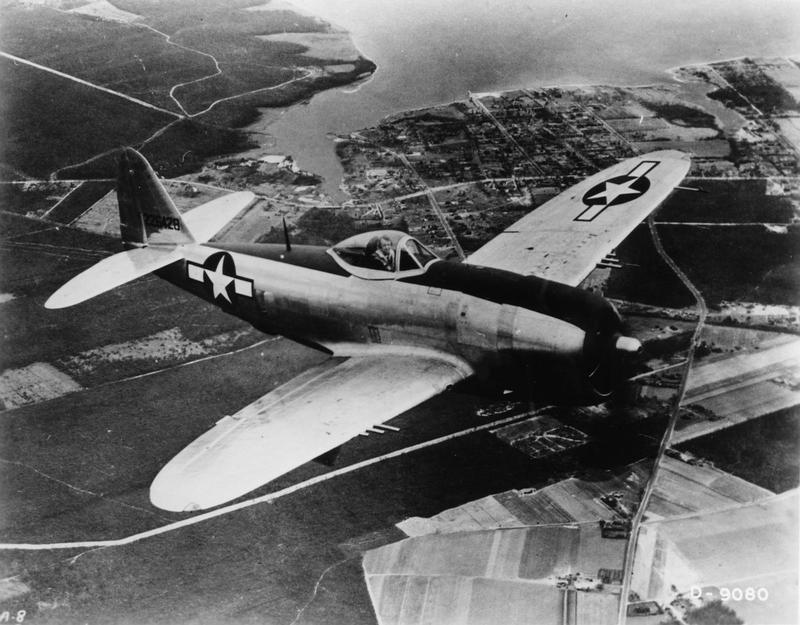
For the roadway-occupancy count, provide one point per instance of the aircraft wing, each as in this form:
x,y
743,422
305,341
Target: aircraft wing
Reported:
x,y
565,238
311,414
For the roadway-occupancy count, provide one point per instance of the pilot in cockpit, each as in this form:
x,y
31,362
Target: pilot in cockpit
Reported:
x,y
381,251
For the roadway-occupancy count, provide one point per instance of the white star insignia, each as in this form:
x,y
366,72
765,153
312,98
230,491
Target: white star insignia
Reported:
x,y
611,191
220,281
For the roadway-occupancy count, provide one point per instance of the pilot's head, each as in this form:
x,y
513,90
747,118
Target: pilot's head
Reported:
x,y
372,246
386,246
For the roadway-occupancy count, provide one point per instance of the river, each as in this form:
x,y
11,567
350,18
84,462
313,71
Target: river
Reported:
x,y
430,52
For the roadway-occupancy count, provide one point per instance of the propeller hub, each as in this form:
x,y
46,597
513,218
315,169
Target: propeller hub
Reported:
x,y
627,345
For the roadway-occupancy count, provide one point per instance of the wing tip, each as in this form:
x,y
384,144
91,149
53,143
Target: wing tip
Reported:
x,y
65,297
52,303
171,494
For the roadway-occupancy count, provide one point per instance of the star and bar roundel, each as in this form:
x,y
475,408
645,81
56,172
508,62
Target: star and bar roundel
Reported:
x,y
218,273
616,190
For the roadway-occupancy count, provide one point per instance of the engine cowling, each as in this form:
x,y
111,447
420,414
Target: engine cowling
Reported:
x,y
566,364
608,360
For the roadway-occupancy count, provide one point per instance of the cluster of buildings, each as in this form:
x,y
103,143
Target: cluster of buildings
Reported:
x,y
510,145
753,88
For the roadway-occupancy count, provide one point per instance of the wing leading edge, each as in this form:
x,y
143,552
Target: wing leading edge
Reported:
x,y
311,414
565,238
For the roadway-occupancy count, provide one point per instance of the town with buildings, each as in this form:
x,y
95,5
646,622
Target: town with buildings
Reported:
x,y
482,163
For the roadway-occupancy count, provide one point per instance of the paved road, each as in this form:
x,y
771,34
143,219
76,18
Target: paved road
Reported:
x,y
473,98
168,38
434,205
630,550
50,70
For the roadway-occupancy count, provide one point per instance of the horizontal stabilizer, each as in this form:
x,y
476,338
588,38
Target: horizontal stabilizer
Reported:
x,y
209,218
112,272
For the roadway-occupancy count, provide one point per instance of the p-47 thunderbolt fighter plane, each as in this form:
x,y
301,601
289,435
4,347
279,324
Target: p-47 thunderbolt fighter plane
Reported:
x,y
400,324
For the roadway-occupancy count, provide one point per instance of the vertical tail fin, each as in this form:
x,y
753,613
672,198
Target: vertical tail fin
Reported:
x,y
147,215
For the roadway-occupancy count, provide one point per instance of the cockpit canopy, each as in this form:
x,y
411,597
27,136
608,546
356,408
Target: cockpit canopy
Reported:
x,y
382,254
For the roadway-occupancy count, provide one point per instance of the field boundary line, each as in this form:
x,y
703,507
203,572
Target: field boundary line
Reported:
x,y
88,84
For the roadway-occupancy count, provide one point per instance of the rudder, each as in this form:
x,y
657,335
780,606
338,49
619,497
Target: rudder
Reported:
x,y
147,214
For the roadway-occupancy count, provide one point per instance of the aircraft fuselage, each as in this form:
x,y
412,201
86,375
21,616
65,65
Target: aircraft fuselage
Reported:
x,y
515,332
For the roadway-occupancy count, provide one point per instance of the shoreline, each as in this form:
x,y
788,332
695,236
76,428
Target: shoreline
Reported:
x,y
310,154
669,71
670,79
359,83
261,116
480,94
733,58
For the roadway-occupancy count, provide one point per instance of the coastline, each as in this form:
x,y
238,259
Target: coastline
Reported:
x,y
362,82
301,150
260,116
670,71
587,86
732,58
310,133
